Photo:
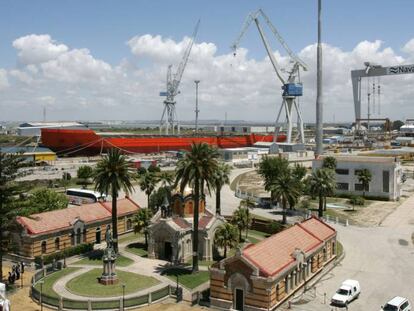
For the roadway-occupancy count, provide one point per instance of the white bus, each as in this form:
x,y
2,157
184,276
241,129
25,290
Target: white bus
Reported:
x,y
83,196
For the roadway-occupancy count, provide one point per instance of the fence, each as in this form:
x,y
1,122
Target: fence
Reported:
x,y
61,303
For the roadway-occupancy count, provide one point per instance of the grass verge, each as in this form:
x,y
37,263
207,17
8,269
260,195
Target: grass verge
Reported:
x,y
186,278
137,249
87,284
51,279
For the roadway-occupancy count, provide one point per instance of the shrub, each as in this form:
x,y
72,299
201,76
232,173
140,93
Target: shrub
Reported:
x,y
141,170
154,169
275,227
356,200
75,250
305,204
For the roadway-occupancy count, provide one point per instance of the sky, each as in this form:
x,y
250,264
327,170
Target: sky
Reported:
x,y
107,60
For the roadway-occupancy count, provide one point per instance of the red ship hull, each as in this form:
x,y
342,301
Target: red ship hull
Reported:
x,y
87,142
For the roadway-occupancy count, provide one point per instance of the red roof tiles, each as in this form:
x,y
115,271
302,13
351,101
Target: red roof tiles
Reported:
x,y
275,253
64,218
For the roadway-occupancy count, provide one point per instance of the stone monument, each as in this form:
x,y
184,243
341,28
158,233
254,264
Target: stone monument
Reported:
x,y
109,275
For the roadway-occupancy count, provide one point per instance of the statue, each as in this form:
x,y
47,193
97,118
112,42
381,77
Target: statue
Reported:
x,y
109,275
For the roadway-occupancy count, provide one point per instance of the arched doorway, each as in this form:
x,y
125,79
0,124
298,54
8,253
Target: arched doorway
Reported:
x,y
238,302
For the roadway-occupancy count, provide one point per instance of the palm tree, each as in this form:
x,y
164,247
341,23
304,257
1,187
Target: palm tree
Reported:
x,y
322,183
286,189
166,179
364,177
141,222
270,168
221,177
113,174
147,182
329,162
196,168
226,236
242,219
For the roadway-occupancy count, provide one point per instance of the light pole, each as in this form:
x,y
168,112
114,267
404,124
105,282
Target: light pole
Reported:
x,y
123,296
196,110
41,293
319,97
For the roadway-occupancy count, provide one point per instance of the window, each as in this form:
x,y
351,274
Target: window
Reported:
x,y
129,224
78,236
84,235
356,172
43,247
72,238
342,171
404,305
385,181
57,244
360,187
342,186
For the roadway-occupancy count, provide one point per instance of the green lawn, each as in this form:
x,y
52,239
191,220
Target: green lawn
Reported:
x,y
87,284
95,259
258,233
186,278
137,249
51,279
253,240
129,237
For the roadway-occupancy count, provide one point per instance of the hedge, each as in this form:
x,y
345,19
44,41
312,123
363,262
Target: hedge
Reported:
x,y
75,250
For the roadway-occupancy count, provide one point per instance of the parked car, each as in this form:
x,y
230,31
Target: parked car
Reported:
x,y
348,291
397,304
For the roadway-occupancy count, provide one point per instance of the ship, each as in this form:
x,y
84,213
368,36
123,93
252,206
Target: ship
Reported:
x,y
75,142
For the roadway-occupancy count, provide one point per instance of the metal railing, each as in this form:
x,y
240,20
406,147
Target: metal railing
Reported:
x,y
62,303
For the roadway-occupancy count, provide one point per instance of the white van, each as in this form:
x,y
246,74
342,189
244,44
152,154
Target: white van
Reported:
x,y
397,304
349,290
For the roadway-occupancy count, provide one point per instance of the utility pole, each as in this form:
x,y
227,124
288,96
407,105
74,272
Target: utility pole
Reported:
x,y
196,110
319,99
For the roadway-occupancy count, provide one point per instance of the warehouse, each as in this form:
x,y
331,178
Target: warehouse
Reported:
x,y
32,154
34,128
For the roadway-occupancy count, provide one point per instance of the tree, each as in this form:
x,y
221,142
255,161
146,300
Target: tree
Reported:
x,y
322,183
166,179
329,162
299,172
157,197
85,173
226,237
113,174
196,168
270,168
9,202
364,177
397,124
242,219
286,189
44,200
221,177
141,222
66,177
147,182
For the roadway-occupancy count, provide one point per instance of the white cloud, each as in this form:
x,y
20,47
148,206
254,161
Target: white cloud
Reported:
x,y
84,87
35,49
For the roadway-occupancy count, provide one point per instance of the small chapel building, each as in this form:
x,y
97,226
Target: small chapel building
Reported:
x,y
170,234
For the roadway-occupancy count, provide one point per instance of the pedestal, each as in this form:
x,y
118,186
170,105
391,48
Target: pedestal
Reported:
x,y
109,276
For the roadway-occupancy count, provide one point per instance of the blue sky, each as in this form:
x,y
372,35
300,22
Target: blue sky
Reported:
x,y
104,26
114,54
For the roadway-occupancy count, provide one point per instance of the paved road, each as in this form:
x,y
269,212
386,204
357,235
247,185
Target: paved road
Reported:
x,y
380,258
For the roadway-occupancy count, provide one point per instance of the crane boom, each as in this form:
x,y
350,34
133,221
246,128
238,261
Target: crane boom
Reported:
x,y
178,75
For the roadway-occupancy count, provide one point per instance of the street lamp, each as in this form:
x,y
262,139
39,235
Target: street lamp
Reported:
x,y
123,296
41,293
196,110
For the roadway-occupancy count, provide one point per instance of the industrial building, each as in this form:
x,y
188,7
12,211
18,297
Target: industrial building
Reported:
x,y
386,175
32,154
34,128
242,154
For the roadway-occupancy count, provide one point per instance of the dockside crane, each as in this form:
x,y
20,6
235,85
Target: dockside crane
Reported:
x,y
169,119
291,86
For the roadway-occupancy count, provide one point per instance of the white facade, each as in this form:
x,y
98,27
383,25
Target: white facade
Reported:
x,y
386,175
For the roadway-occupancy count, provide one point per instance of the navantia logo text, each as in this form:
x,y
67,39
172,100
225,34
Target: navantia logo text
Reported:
x,y
401,69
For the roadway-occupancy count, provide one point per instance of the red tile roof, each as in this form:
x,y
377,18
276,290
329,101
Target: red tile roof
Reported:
x,y
63,219
124,206
204,221
275,253
181,222
318,228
